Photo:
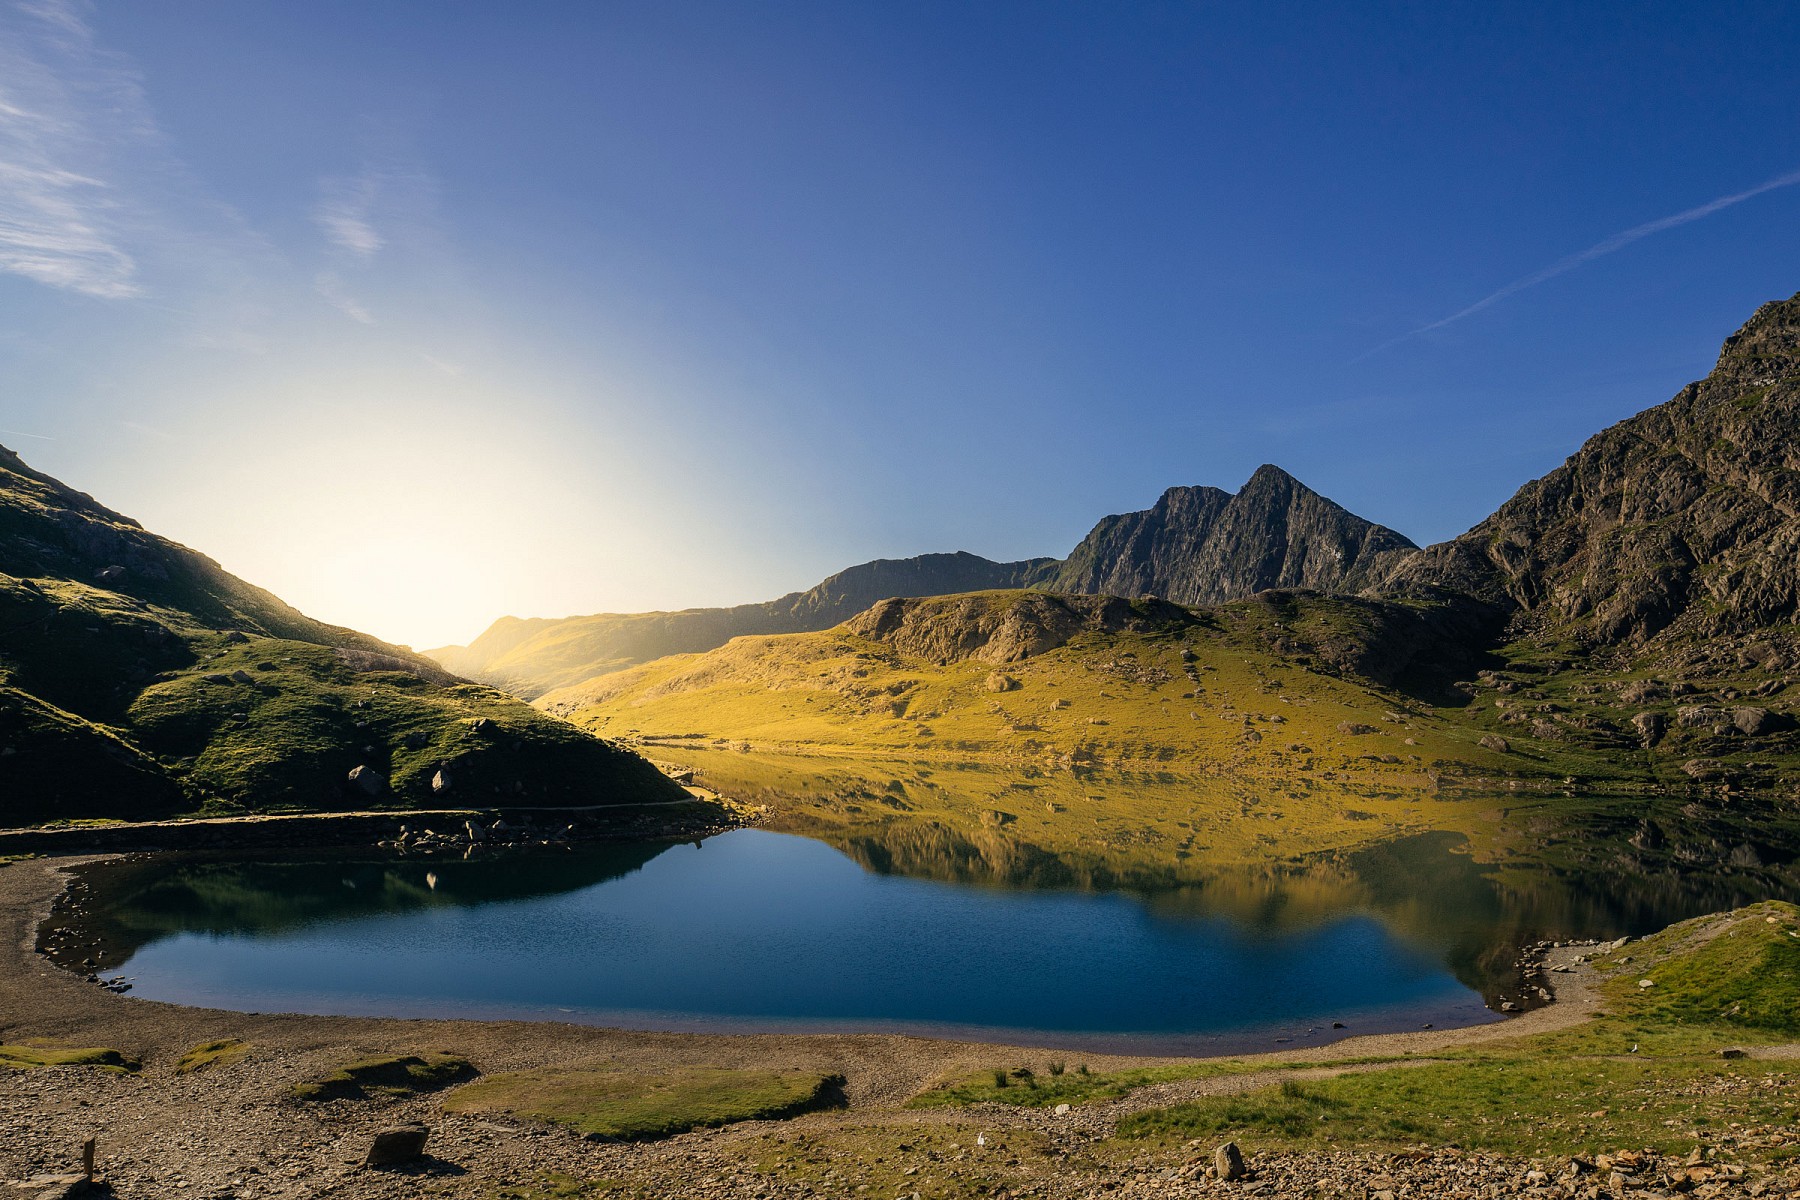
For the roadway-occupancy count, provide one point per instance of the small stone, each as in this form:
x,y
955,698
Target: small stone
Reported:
x,y
1062,1110
1228,1162
399,1144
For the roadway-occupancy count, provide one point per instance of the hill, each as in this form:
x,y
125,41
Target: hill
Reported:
x,y
529,657
1196,545
139,679
1629,618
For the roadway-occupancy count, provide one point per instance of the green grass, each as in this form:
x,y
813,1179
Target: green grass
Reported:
x,y
1647,1073
1525,1106
222,1053
1083,1087
1047,1091
28,1056
638,1106
387,1075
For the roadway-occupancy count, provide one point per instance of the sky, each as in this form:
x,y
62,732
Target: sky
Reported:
x,y
432,311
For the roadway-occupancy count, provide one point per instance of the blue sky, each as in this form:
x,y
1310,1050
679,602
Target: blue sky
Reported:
x,y
422,313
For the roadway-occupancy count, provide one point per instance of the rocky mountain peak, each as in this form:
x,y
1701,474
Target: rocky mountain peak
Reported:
x,y
1766,349
1201,545
1683,517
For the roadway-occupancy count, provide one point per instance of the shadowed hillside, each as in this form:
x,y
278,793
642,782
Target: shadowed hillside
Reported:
x,y
139,679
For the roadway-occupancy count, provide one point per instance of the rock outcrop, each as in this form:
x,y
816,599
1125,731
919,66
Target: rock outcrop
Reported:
x,y
1005,627
1200,545
1685,516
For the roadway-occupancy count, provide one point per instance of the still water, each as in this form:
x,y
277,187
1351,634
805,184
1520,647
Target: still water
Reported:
x,y
759,930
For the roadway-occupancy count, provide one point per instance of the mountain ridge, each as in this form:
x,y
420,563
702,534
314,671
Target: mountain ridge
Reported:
x,y
1195,545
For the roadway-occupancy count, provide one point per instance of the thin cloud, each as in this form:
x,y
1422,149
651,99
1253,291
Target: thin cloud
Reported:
x,y
20,433
332,288
1600,249
344,214
59,217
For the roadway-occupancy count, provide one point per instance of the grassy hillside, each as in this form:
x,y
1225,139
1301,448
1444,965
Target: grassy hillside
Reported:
x,y
1283,688
1247,692
138,679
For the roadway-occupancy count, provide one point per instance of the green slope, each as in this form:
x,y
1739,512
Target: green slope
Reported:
x,y
139,679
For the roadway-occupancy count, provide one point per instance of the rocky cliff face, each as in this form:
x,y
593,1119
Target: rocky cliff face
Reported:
x,y
1006,627
1684,518
1200,545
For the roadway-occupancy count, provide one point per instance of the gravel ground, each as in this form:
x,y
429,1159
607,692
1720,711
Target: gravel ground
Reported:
x,y
231,1131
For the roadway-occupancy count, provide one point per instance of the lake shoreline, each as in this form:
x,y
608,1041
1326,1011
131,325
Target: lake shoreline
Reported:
x,y
248,1112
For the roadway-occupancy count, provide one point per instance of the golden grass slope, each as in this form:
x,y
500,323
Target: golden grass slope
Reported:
x,y
1193,692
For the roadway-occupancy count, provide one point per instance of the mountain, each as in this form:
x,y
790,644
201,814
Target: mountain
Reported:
x,y
1632,617
1680,524
1200,545
530,657
138,679
1197,545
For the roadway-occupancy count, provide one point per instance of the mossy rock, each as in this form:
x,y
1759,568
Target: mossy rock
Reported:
x,y
637,1106
387,1075
221,1053
27,1056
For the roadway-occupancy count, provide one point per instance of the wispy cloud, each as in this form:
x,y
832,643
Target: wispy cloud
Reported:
x,y
388,205
20,433
1600,249
332,288
59,217
344,214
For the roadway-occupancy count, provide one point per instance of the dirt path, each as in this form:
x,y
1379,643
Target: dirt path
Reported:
x,y
232,1132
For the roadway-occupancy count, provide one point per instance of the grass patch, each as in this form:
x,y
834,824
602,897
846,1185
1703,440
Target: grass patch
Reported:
x,y
1645,1074
26,1056
631,1106
221,1053
1082,1087
1001,1086
387,1075
1527,1106
939,1160
554,1185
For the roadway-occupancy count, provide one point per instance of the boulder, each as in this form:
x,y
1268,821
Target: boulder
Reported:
x,y
1355,728
440,782
1496,743
242,677
1228,1163
110,574
368,780
234,638
398,1144
1649,726
1752,721
999,682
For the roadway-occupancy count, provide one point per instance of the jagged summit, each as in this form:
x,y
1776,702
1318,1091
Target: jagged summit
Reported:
x,y
1201,545
1686,515
1196,545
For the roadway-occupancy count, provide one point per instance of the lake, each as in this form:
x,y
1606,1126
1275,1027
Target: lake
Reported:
x,y
756,930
